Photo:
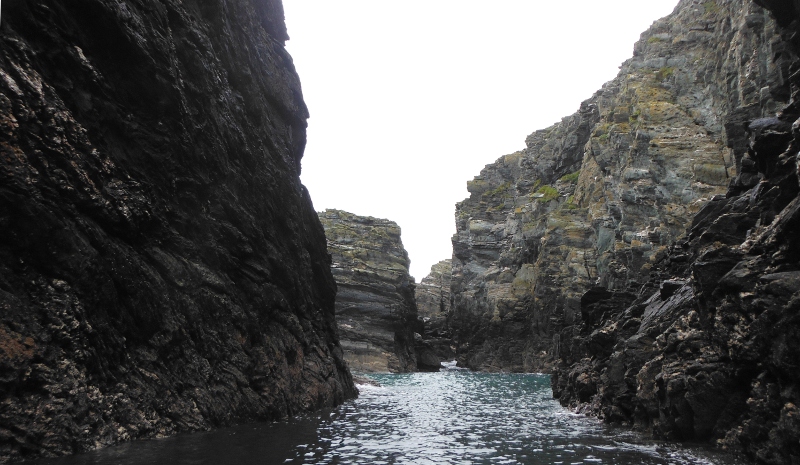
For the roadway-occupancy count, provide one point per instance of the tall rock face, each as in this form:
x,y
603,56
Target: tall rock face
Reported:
x,y
596,199
433,304
433,292
708,349
161,266
375,308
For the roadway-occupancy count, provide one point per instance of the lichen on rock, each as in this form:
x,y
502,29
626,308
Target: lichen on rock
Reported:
x,y
596,199
375,308
704,350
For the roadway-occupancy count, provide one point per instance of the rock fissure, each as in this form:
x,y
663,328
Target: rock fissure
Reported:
x,y
376,312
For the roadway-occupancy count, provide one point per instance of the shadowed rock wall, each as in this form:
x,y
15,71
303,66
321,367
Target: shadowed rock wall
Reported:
x,y
596,199
161,266
375,307
433,304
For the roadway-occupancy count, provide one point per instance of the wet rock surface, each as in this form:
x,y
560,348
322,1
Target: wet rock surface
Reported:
x,y
597,199
375,308
707,348
161,266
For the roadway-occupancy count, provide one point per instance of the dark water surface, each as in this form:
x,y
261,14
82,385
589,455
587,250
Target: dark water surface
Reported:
x,y
452,417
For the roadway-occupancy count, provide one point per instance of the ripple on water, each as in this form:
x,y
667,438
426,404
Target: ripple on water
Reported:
x,y
453,417
458,417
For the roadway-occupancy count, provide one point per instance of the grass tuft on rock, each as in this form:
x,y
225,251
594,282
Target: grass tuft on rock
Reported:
x,y
571,178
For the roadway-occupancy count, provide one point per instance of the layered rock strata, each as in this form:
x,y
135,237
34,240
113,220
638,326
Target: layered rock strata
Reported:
x,y
433,292
707,349
433,304
596,199
375,308
161,266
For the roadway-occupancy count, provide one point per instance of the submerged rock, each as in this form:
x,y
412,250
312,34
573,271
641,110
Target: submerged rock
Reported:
x,y
375,309
161,266
364,381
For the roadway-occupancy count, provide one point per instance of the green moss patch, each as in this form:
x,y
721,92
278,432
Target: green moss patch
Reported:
x,y
547,193
664,73
710,7
571,178
501,190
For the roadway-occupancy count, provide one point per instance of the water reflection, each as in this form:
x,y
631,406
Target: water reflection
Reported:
x,y
475,418
261,444
452,417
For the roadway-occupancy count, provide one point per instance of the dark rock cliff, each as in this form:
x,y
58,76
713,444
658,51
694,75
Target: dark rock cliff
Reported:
x,y
375,307
433,305
161,266
596,199
708,348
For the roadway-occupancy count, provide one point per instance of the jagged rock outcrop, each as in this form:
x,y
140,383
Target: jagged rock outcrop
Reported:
x,y
433,305
433,292
375,308
161,266
707,349
596,199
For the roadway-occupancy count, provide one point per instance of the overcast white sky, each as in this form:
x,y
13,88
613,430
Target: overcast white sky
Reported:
x,y
410,99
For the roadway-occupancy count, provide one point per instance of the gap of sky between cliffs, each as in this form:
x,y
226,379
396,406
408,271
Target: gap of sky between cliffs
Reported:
x,y
410,99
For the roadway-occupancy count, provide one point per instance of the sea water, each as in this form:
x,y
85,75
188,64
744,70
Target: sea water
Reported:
x,y
450,417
